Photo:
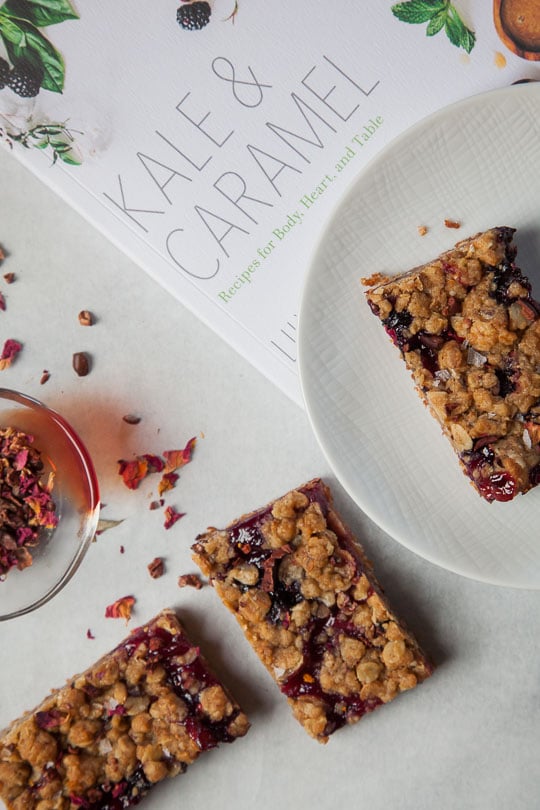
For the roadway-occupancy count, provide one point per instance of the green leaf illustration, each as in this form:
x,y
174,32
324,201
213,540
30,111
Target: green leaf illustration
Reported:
x,y
24,42
416,11
40,12
436,23
439,15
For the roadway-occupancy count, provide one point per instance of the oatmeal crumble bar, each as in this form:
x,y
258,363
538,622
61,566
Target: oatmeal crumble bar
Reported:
x,y
142,713
306,598
469,332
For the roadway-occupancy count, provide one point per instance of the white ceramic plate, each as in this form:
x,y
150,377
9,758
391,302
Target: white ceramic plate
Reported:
x,y
478,162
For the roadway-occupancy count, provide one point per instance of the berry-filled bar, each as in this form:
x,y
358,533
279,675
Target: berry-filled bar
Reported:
x,y
142,713
306,598
469,331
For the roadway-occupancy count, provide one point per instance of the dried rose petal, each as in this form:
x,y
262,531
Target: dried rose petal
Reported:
x,y
155,463
20,459
44,377
171,516
168,480
9,278
26,505
190,581
89,634
156,567
121,609
9,352
451,223
133,472
156,504
177,458
2,302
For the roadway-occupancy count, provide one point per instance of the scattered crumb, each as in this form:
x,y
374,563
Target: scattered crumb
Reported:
x,y
9,278
156,568
44,377
89,634
451,223
131,419
376,278
86,318
190,581
122,550
2,302
500,60
156,504
81,363
422,230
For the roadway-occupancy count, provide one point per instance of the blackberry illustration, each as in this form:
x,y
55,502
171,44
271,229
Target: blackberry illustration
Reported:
x,y
194,16
4,73
25,80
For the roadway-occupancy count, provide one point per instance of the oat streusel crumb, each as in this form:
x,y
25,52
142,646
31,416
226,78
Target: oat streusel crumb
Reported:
x,y
469,332
306,597
142,713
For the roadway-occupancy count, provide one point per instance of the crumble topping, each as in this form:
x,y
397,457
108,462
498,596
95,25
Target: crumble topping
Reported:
x,y
469,332
142,713
308,602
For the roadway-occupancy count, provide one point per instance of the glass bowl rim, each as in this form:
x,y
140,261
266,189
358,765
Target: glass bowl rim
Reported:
x,y
89,472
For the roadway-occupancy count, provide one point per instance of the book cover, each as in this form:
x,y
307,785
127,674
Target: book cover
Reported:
x,y
211,140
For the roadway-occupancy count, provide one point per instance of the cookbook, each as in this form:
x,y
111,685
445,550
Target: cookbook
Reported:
x,y
211,141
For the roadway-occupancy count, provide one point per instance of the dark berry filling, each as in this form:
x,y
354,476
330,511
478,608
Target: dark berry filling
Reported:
x,y
117,796
426,344
305,680
493,485
249,543
397,325
187,680
506,382
504,276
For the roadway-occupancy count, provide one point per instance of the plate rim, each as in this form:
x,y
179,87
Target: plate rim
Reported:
x,y
526,87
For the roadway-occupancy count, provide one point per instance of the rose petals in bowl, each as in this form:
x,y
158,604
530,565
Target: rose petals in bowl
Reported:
x,y
69,473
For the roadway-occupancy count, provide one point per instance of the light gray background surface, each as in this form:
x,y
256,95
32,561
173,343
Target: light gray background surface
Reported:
x,y
468,738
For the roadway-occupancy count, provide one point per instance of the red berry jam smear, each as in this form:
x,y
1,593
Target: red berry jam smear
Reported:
x,y
340,709
493,484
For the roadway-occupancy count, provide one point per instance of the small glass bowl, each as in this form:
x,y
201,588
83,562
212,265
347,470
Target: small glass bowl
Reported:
x,y
75,493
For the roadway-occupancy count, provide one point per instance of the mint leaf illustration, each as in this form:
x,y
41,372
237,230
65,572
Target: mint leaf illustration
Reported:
x,y
40,12
436,23
56,137
417,11
439,15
